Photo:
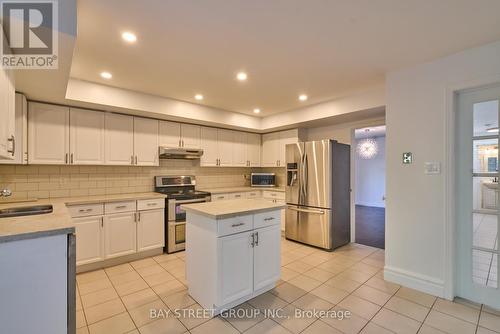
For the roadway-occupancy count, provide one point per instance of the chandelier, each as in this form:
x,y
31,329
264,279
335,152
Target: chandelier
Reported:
x,y
367,148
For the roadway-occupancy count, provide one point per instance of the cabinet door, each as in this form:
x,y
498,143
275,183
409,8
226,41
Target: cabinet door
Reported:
x,y
7,114
48,134
190,136
267,258
86,137
120,234
286,137
170,134
146,141
270,149
150,230
21,136
119,139
253,149
89,239
209,147
225,147
235,254
239,148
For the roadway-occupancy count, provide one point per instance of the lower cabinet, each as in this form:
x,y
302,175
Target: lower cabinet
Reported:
x,y
120,234
89,241
266,258
150,230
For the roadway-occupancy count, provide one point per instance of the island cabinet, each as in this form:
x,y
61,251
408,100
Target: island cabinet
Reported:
x,y
231,260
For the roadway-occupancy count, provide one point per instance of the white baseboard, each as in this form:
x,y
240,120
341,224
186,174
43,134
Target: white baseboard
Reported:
x,y
415,281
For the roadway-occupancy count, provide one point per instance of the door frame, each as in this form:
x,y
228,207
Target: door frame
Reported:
x,y
451,109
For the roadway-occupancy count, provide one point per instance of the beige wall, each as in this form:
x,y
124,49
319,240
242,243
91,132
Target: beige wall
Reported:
x,y
340,132
35,181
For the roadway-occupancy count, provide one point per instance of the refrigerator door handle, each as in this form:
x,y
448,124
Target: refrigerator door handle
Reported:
x,y
320,212
306,172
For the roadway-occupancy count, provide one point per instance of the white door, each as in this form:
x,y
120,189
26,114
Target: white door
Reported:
x,y
150,229
170,134
225,147
48,134
119,139
86,137
476,177
286,137
146,141
235,254
239,148
191,136
209,147
120,234
253,149
267,258
89,239
270,149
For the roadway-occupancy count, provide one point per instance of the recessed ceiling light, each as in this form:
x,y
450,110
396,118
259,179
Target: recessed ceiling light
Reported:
x,y
256,110
198,97
242,76
106,75
303,97
129,37
494,130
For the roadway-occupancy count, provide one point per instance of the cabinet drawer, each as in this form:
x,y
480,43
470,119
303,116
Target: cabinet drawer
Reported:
x,y
273,194
253,194
116,207
264,219
236,195
219,197
86,210
234,225
150,204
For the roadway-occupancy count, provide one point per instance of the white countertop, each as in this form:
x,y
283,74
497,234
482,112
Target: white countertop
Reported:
x,y
232,208
222,190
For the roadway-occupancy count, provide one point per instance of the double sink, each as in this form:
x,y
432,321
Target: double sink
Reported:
x,y
25,211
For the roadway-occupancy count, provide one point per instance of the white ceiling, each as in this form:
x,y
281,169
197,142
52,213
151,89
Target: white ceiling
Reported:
x,y
370,132
325,48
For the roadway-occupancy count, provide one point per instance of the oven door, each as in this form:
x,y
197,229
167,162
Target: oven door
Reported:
x,y
175,213
176,236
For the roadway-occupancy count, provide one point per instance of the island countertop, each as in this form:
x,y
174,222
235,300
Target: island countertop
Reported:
x,y
232,208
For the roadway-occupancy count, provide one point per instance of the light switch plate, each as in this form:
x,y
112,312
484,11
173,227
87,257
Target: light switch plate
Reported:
x,y
432,168
407,158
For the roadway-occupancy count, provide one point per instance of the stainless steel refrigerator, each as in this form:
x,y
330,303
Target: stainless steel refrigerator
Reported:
x,y
318,193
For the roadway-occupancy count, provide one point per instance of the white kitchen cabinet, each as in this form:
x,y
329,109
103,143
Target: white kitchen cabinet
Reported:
x,y
7,114
236,270
48,134
20,146
86,137
120,234
170,134
266,257
89,239
239,149
145,142
219,197
190,136
270,149
225,147
253,146
150,229
119,139
286,137
209,147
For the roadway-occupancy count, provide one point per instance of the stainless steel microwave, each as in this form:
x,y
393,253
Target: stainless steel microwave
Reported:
x,y
263,180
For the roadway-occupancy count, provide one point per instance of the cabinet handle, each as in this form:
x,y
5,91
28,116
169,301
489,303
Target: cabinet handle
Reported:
x,y
120,207
238,224
152,204
136,159
253,240
66,158
13,140
139,216
71,158
131,159
256,238
102,221
268,219
85,210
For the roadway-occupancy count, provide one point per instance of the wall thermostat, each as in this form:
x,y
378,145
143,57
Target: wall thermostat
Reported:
x,y
407,158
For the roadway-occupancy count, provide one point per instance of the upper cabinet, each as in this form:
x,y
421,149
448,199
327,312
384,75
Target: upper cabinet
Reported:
x,y
20,145
253,149
209,147
86,137
225,147
180,135
273,147
48,134
145,142
119,139
7,115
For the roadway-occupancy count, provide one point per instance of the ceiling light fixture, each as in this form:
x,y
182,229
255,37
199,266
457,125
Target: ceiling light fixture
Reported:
x,y
367,148
303,97
129,37
106,75
492,130
198,97
242,76
256,110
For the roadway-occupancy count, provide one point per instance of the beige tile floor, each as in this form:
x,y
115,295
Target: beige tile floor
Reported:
x,y
119,299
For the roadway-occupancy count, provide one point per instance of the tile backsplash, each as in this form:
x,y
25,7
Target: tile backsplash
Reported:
x,y
42,181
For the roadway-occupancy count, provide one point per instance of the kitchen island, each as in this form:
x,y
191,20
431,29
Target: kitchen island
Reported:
x,y
232,251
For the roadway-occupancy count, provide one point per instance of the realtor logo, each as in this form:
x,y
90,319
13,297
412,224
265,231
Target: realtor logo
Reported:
x,y
30,35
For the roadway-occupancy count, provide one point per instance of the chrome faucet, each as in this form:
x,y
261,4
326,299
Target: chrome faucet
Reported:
x,y
5,193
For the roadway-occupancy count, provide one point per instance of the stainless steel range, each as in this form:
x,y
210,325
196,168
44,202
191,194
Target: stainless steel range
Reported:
x,y
179,190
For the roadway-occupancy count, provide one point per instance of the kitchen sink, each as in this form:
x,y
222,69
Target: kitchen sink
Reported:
x,y
26,211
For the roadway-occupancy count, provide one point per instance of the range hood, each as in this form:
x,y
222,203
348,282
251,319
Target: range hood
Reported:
x,y
180,153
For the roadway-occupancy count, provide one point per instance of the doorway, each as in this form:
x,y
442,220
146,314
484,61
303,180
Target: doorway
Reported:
x,y
369,182
477,195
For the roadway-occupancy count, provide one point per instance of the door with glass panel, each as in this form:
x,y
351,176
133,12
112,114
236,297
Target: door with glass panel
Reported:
x,y
477,196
